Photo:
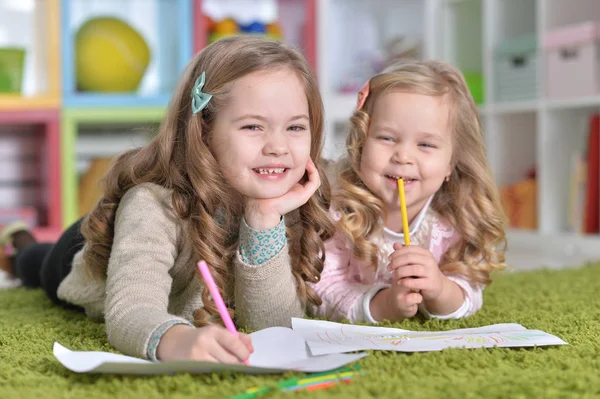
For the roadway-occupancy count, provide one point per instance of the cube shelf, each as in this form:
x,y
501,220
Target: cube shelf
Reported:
x,y
524,128
164,25
40,82
346,41
30,155
73,120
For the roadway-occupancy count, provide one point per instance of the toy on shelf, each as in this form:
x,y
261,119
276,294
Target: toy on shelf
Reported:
x,y
12,63
225,27
230,27
519,201
228,18
110,56
125,53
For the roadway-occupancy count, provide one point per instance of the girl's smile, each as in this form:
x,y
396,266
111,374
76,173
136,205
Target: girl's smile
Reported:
x,y
408,181
271,173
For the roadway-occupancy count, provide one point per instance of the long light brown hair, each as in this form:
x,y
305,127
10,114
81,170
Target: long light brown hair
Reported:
x,y
179,158
469,201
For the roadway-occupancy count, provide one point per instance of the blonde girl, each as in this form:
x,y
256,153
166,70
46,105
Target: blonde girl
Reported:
x,y
416,121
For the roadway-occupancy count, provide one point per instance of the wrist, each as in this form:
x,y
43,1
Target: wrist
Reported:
x,y
439,296
258,221
379,306
167,346
450,293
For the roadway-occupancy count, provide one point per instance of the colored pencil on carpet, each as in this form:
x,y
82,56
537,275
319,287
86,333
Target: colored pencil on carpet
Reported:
x,y
310,381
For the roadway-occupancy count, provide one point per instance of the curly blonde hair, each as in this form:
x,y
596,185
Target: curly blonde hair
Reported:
x,y
179,158
469,201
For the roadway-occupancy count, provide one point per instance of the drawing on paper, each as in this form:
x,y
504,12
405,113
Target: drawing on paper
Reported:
x,y
379,340
325,337
375,339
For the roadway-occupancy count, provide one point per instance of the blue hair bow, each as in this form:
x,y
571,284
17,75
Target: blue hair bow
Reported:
x,y
199,99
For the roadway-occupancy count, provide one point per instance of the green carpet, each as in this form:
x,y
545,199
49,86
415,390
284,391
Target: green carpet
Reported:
x,y
565,303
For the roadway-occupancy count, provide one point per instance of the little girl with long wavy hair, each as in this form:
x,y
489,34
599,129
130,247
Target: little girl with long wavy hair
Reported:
x,y
416,121
233,177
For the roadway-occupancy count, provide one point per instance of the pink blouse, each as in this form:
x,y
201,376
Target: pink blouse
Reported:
x,y
347,285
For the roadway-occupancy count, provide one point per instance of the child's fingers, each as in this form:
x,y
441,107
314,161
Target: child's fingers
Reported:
x,y
235,346
301,193
310,166
414,298
412,284
247,340
406,297
409,310
408,304
407,261
222,355
405,250
314,180
408,271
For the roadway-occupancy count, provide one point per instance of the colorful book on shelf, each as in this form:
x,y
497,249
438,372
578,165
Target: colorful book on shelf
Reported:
x,y
577,192
591,222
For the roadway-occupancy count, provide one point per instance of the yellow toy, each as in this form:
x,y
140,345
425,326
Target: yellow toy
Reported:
x,y
274,31
226,27
110,56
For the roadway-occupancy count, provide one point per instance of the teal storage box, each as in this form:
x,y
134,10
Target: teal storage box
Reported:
x,y
515,69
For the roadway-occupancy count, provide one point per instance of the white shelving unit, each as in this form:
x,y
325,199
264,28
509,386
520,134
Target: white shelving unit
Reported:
x,y
542,133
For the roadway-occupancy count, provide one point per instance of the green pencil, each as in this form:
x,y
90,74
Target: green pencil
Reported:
x,y
292,382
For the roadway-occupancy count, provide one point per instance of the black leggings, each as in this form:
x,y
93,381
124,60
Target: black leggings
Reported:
x,y
46,265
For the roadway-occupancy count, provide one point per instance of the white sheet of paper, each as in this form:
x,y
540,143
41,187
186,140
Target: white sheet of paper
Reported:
x,y
325,337
276,350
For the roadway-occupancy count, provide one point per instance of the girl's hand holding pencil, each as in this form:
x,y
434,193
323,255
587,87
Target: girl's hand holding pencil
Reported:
x,y
414,268
211,343
395,303
399,301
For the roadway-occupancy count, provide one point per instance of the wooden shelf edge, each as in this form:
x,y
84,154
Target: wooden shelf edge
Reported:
x,y
11,103
33,116
113,115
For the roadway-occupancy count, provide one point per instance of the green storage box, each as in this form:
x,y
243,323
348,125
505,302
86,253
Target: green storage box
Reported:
x,y
476,86
12,63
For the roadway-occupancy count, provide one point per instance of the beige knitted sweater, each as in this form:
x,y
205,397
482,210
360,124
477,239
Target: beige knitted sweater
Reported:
x,y
150,278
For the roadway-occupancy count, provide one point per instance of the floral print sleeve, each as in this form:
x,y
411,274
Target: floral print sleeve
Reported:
x,y
257,247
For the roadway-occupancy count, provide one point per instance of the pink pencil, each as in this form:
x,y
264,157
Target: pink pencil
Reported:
x,y
214,293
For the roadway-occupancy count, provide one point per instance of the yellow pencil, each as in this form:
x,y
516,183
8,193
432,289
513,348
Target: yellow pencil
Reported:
x,y
405,229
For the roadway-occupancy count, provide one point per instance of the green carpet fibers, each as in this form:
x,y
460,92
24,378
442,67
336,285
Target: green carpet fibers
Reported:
x,y
565,303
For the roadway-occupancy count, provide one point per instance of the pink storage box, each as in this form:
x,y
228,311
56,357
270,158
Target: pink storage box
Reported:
x,y
572,60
